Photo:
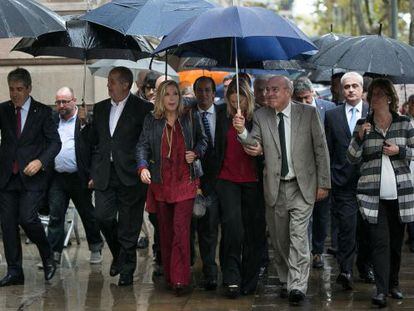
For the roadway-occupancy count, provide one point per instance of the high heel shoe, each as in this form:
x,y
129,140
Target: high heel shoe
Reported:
x,y
178,289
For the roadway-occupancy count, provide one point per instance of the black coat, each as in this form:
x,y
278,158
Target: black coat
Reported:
x,y
83,149
122,144
39,140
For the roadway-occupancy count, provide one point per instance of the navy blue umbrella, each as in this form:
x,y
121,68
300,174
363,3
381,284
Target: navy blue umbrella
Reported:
x,y
256,33
146,17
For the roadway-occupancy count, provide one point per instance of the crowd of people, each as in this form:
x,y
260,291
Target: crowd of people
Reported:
x,y
269,158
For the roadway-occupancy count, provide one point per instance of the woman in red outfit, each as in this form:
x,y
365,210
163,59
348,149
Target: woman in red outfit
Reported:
x,y
170,142
236,186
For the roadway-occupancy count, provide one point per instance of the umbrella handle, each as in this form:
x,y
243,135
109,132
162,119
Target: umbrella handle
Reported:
x,y
84,83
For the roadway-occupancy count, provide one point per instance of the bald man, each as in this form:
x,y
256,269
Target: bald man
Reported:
x,y
70,178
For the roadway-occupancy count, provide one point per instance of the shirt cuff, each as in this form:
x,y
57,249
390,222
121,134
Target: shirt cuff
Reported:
x,y
243,135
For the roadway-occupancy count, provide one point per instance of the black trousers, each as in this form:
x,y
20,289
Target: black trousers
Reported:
x,y
19,206
207,231
63,187
320,223
242,239
387,239
364,250
345,210
119,211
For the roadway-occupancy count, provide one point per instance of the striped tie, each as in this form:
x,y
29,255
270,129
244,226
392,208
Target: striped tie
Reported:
x,y
207,128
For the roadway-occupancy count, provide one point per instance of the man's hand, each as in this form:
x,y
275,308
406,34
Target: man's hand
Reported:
x,y
91,185
32,168
321,193
253,151
390,149
190,156
238,122
146,176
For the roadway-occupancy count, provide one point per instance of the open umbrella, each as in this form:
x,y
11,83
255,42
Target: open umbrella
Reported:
x,y
146,17
102,67
236,35
371,53
83,40
27,18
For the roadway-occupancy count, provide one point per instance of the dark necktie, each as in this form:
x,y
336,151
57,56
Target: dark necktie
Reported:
x,y
282,139
18,132
207,128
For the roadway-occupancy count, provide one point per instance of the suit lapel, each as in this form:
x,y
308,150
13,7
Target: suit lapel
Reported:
x,y
272,123
31,117
344,121
295,115
105,116
124,115
364,110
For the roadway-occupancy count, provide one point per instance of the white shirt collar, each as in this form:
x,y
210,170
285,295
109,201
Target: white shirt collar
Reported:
x,y
286,112
26,105
358,106
122,102
209,110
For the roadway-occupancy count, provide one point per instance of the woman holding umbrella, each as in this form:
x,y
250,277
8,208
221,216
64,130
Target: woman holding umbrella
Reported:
x,y
169,144
236,187
383,143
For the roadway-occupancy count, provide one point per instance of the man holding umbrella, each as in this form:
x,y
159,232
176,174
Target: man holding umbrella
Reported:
x,y
120,197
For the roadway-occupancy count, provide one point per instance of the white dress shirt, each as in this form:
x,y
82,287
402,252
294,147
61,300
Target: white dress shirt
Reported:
x,y
348,111
65,161
211,118
116,111
388,184
287,118
24,111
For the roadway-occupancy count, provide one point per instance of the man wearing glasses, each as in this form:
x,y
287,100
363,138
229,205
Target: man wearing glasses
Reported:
x,y
71,176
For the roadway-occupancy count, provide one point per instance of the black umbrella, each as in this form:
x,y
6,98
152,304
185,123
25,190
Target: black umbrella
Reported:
x,y
27,18
83,40
371,53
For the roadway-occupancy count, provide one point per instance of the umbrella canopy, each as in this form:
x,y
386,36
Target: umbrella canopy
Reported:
x,y
27,18
146,17
260,35
371,53
102,67
83,40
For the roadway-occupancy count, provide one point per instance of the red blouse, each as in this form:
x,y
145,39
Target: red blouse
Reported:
x,y
176,185
237,166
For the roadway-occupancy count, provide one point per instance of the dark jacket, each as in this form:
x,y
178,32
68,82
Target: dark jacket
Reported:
x,y
83,150
338,136
39,140
121,145
148,149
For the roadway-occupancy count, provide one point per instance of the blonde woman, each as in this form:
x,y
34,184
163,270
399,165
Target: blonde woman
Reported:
x,y
169,144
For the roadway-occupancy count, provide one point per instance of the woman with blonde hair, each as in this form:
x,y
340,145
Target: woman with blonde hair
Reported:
x,y
383,144
236,187
169,144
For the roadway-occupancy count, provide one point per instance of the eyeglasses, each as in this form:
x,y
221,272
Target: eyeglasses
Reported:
x,y
63,101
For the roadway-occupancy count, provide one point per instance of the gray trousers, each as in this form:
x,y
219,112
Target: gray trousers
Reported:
x,y
288,224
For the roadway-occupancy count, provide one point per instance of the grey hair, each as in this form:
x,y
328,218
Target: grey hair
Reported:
x,y
302,84
353,74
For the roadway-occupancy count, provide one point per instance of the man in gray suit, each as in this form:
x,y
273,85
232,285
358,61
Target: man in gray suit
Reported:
x,y
296,174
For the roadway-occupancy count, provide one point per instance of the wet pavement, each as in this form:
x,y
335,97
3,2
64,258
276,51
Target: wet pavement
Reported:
x,y
81,286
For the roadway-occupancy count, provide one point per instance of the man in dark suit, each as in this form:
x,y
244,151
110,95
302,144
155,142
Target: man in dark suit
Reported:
x,y
339,125
207,226
119,195
29,143
70,177
304,93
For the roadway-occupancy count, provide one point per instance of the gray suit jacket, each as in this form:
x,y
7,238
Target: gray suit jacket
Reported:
x,y
310,154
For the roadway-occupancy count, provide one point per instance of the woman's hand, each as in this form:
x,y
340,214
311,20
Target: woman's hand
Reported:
x,y
365,128
145,176
190,156
238,122
390,149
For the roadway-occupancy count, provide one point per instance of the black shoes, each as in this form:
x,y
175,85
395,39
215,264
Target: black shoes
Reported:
x,y
9,280
125,280
296,297
232,291
317,261
49,269
379,300
114,269
396,293
345,279
210,284
179,289
368,277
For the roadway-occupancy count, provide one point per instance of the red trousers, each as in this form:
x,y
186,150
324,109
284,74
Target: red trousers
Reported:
x,y
174,222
